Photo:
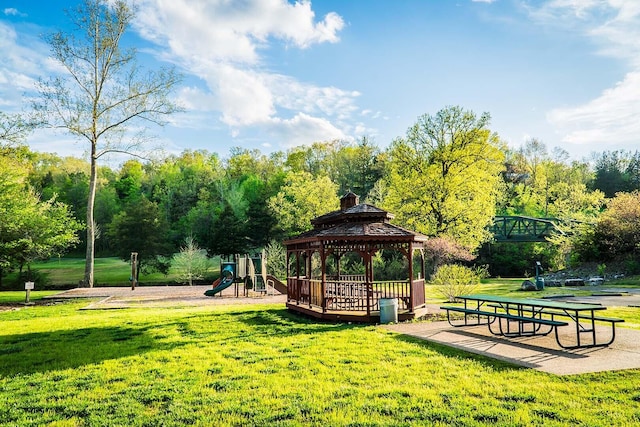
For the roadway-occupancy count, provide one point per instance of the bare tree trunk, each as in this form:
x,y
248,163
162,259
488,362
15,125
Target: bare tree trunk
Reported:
x,y
91,230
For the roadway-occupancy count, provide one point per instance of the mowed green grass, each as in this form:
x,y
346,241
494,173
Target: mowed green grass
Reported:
x,y
65,271
68,272
262,365
17,297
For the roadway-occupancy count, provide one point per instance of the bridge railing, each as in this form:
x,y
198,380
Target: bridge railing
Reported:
x,y
524,229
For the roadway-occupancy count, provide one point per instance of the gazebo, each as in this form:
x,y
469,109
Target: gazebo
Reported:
x,y
317,287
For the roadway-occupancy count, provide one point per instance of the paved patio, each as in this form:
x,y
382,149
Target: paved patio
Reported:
x,y
540,353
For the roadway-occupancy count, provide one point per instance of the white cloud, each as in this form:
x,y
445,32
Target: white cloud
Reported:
x,y
222,43
614,26
244,96
295,95
232,30
612,117
303,129
12,11
22,59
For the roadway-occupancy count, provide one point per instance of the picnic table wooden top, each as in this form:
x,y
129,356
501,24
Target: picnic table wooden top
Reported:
x,y
541,303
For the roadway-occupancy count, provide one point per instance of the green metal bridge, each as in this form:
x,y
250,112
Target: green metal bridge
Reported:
x,y
524,228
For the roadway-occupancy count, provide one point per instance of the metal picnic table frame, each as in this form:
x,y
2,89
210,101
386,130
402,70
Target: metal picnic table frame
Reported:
x,y
532,316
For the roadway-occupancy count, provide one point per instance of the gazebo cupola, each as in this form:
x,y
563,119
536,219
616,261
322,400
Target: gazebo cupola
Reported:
x,y
317,286
349,200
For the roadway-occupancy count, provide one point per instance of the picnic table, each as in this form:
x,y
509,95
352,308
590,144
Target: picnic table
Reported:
x,y
519,317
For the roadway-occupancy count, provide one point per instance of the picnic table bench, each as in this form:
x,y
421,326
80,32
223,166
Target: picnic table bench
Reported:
x,y
518,317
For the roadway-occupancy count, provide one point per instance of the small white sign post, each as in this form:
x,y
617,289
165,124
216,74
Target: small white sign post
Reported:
x,y
28,287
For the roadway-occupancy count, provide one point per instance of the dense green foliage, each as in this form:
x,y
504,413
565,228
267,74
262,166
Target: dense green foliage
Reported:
x,y
616,171
261,365
302,198
30,228
617,232
140,228
447,178
444,178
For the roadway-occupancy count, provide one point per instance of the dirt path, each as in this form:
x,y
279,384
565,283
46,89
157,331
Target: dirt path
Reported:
x,y
164,296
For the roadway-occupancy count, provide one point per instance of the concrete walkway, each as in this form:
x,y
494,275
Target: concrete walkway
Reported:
x,y
540,353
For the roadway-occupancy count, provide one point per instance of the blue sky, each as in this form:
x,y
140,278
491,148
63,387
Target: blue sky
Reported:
x,y
272,74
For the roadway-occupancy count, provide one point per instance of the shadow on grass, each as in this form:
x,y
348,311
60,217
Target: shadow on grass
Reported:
x,y
283,321
47,351
444,350
68,349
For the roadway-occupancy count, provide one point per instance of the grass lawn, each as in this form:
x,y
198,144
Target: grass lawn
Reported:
x,y
67,272
512,288
261,365
17,297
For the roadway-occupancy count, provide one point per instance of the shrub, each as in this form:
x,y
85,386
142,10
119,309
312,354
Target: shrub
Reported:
x,y
452,280
17,280
618,228
276,255
191,263
445,250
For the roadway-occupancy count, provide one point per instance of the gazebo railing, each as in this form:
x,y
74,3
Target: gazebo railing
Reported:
x,y
347,277
304,290
347,295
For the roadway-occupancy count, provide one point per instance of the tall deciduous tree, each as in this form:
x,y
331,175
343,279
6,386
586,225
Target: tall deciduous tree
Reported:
x,y
301,199
13,128
141,228
543,185
358,167
30,229
104,93
445,176
616,171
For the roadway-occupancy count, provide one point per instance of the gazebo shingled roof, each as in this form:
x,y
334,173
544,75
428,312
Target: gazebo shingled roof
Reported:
x,y
361,211
355,220
361,230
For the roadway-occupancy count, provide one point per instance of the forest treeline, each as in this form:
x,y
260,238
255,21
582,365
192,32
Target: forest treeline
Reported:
x,y
447,178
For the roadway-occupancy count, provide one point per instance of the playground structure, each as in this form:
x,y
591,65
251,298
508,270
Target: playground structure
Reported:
x,y
248,274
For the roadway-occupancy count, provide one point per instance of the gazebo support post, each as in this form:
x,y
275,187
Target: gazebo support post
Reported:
x,y
368,272
323,263
288,264
423,269
410,253
308,271
298,285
